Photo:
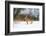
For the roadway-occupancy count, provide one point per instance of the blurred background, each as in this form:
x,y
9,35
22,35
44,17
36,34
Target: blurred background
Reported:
x,y
29,12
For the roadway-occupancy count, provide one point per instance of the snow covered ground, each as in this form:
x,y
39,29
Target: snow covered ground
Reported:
x,y
23,26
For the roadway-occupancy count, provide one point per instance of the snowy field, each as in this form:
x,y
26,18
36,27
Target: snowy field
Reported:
x,y
23,26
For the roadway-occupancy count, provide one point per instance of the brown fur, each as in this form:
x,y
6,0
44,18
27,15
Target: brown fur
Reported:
x,y
25,18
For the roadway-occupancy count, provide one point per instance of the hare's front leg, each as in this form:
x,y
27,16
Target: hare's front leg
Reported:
x,y
31,22
27,22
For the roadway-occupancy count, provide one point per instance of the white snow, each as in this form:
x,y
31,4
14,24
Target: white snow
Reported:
x,y
23,26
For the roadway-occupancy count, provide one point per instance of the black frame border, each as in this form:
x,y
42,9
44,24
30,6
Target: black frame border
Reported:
x,y
7,17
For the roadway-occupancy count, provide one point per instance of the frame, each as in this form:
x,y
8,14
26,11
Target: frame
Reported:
x,y
7,17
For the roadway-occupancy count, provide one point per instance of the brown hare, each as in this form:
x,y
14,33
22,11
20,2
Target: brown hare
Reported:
x,y
27,19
